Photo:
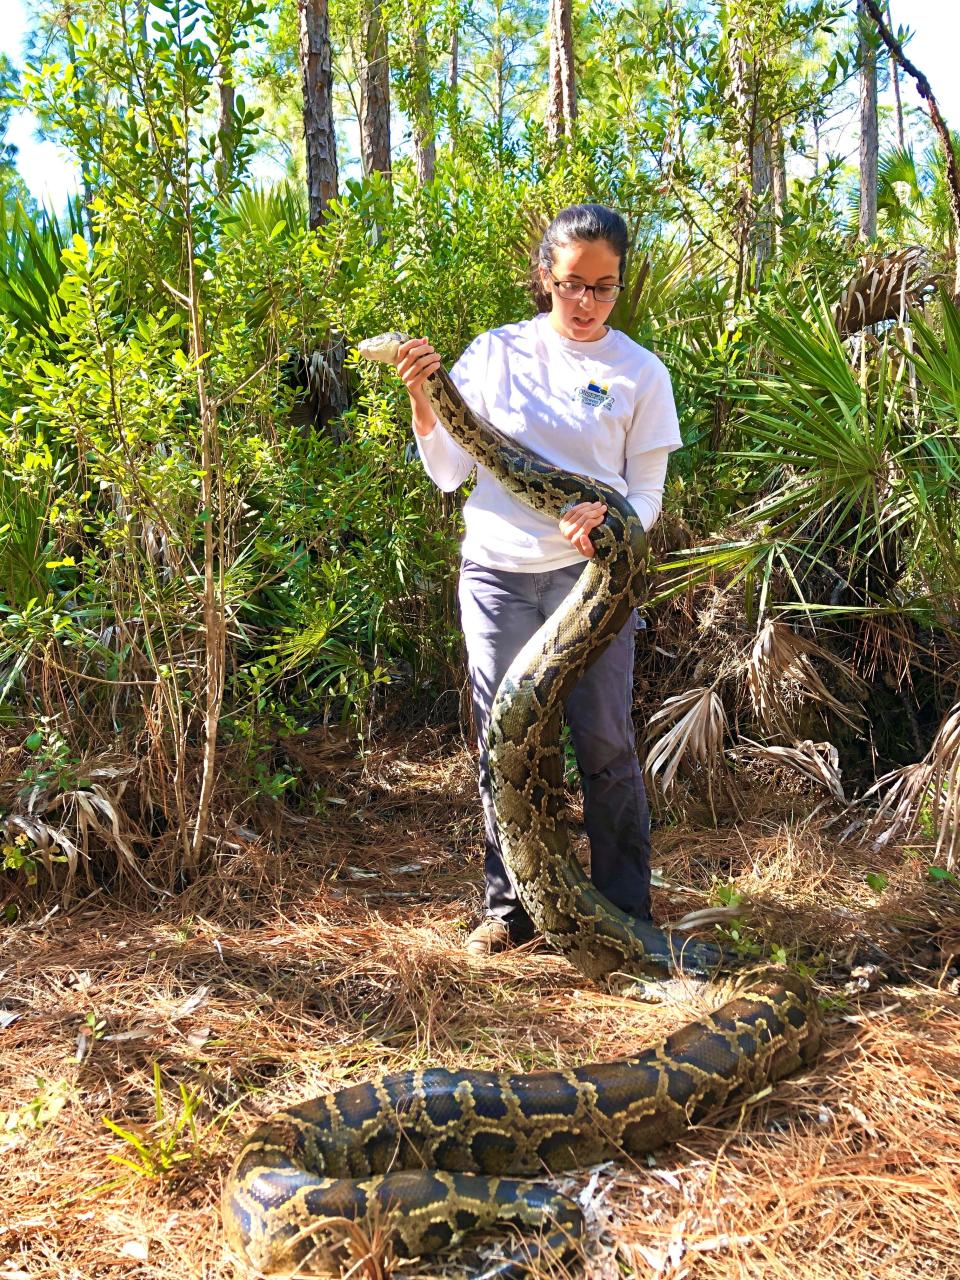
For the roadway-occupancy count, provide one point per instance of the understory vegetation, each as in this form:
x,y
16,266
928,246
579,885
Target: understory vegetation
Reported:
x,y
213,535
239,830
140,1046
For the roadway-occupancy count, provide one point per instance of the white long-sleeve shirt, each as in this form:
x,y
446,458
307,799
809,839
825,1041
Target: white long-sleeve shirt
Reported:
x,y
603,409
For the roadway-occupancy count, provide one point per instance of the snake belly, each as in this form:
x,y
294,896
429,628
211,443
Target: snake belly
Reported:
x,y
441,1153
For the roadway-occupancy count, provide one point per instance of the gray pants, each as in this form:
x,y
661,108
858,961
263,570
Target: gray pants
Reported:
x,y
499,611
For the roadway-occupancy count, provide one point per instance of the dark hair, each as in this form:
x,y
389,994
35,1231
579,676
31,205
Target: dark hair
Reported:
x,y
577,222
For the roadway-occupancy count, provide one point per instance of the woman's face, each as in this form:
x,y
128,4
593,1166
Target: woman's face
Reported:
x,y
586,262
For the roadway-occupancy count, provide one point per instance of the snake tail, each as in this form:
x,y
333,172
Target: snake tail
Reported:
x,y
442,1153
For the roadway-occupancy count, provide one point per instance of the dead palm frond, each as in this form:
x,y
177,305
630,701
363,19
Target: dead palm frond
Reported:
x,y
818,761
932,785
887,643
50,844
781,675
697,726
885,288
93,808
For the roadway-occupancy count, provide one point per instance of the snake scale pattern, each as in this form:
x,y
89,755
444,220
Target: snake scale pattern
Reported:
x,y
442,1153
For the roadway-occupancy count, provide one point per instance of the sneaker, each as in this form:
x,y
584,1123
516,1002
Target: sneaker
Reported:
x,y
493,935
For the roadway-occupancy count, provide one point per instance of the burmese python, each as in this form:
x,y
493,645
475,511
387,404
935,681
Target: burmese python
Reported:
x,y
431,1148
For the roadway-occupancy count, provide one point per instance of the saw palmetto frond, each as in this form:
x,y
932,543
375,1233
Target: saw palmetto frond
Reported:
x,y
781,674
932,785
885,288
32,267
89,811
818,761
697,727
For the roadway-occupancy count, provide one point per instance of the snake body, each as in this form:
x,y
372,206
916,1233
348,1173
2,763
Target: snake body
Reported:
x,y
441,1152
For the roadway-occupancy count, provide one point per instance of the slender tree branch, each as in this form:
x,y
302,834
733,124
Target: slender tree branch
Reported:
x,y
939,124
895,76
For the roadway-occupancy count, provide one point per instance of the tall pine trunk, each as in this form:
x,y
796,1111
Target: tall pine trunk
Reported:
x,y
424,128
761,183
375,93
895,78
778,162
318,128
453,117
869,129
755,233
562,96
225,123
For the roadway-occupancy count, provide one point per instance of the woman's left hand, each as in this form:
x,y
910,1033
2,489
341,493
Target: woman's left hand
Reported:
x,y
579,520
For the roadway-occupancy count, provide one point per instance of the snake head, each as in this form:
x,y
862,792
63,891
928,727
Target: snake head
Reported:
x,y
383,347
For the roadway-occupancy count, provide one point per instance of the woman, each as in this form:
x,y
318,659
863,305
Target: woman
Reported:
x,y
590,400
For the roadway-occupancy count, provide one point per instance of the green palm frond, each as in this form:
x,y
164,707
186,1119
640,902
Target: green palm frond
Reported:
x,y
898,167
936,360
651,281
912,195
664,291
266,212
812,413
823,444
31,267
901,194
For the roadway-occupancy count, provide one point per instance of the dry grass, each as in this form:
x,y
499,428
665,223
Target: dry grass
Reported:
x,y
289,974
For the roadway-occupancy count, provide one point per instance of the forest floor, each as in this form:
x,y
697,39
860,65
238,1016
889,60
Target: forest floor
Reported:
x,y
281,975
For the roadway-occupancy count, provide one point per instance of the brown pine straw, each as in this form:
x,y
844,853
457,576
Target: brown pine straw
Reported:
x,y
339,955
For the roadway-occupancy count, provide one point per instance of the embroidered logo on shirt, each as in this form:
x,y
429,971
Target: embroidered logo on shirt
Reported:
x,y
594,394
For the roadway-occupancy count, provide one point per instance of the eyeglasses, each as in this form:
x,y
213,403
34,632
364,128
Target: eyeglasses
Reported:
x,y
573,290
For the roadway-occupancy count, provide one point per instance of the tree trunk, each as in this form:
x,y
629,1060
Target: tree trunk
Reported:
x,y
895,77
761,184
778,163
375,93
816,146
318,128
424,129
499,58
869,129
755,233
223,161
678,117
562,96
454,85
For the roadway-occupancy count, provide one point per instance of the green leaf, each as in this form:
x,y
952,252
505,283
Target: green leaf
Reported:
x,y
877,881
941,873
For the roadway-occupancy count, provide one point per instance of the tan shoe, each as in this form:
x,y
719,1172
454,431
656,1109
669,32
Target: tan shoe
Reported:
x,y
491,936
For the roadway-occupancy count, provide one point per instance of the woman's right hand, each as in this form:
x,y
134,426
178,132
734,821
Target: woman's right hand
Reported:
x,y
416,360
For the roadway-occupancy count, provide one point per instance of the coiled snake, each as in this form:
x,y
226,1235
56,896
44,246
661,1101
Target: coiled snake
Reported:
x,y
432,1148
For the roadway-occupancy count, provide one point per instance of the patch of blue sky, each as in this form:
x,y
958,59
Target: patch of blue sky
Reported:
x,y
51,173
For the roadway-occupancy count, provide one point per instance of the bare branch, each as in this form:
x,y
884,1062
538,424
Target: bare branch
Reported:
x,y
939,124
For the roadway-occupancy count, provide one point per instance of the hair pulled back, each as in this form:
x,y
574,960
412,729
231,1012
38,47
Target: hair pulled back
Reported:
x,y
578,222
